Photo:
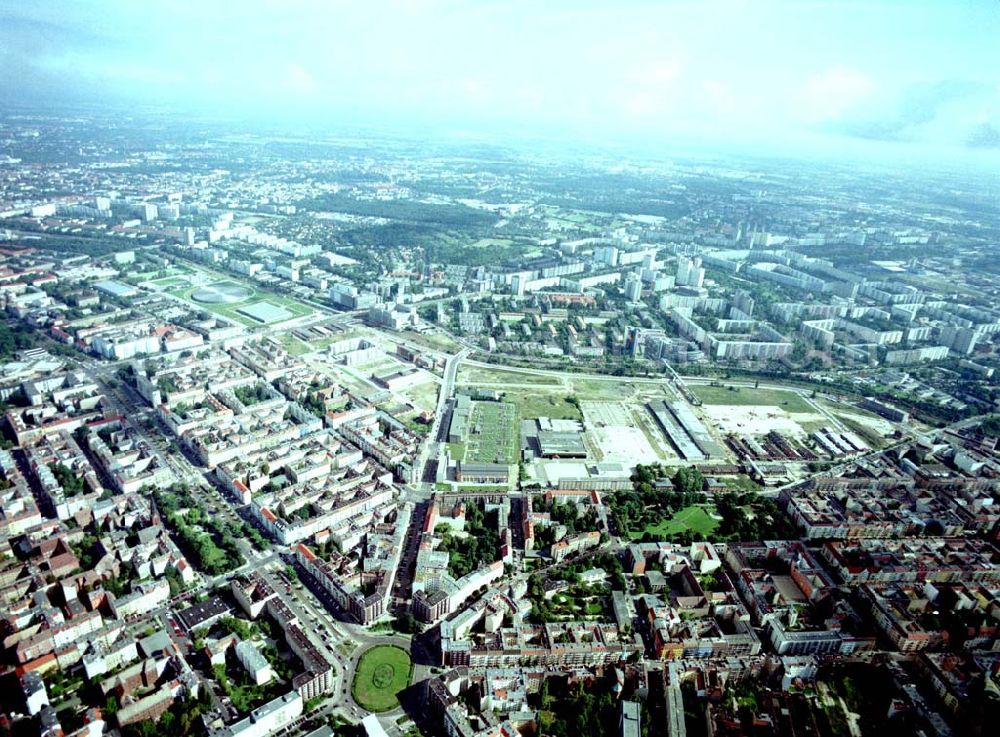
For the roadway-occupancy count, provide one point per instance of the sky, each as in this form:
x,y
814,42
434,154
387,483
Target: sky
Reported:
x,y
892,73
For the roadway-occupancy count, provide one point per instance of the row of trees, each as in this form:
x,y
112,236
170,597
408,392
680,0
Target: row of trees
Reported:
x,y
210,545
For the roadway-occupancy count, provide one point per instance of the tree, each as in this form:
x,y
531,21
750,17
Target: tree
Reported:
x,y
407,624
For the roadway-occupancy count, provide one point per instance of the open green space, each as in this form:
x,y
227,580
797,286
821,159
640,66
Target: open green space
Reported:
x,y
482,375
741,482
170,282
813,425
423,396
694,518
493,243
612,389
293,345
383,671
531,404
748,396
681,512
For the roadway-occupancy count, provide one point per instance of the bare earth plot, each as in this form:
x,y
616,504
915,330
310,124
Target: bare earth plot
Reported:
x,y
613,429
424,395
626,445
757,420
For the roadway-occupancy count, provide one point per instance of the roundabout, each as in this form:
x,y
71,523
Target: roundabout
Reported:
x,y
381,673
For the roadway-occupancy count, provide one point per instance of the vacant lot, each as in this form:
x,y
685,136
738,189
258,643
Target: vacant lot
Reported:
x,y
532,404
434,341
499,376
382,672
745,395
744,419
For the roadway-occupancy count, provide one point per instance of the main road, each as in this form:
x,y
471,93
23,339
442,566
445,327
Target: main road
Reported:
x,y
447,387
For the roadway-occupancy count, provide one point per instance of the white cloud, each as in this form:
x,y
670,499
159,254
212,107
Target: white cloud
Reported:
x,y
298,80
834,93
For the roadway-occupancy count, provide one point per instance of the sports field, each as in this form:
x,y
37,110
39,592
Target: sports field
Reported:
x,y
382,673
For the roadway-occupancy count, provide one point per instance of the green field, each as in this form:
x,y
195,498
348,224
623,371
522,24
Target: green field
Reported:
x,y
169,282
293,345
382,673
532,404
497,438
695,518
493,243
746,395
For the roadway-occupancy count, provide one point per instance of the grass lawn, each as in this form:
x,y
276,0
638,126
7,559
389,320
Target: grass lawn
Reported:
x,y
745,395
814,425
382,672
740,483
169,282
423,396
531,404
293,345
492,242
695,518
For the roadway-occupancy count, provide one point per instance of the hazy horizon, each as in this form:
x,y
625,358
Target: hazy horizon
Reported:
x,y
884,78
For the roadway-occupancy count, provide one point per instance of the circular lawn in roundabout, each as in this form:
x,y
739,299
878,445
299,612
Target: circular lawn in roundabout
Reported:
x,y
383,671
